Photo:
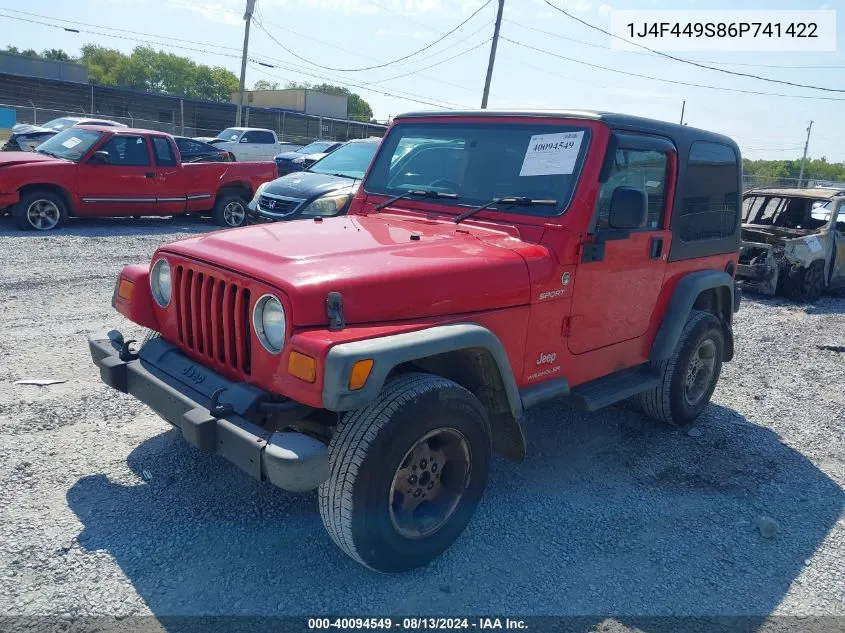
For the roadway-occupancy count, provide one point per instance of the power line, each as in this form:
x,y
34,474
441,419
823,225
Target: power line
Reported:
x,y
644,54
386,94
406,63
120,37
692,63
228,48
399,13
443,61
670,81
341,81
112,28
399,59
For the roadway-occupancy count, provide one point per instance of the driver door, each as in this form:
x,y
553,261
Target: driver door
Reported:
x,y
616,288
125,185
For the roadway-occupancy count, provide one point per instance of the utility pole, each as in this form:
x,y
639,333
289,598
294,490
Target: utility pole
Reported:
x,y
250,6
683,106
492,54
804,157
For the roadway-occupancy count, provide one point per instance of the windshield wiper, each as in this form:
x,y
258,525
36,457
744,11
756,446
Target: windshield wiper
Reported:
x,y
511,200
54,155
423,193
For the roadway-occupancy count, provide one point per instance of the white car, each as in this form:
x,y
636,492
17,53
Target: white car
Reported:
x,y
26,137
249,143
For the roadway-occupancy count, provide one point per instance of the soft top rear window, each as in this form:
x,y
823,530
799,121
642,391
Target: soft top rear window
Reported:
x,y
480,162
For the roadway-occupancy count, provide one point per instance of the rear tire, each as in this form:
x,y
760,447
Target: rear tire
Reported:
x,y
40,210
688,378
230,210
807,284
406,473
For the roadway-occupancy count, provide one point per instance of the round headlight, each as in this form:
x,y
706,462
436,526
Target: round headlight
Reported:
x,y
160,283
268,319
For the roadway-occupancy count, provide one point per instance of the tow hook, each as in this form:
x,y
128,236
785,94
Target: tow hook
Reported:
x,y
127,354
218,410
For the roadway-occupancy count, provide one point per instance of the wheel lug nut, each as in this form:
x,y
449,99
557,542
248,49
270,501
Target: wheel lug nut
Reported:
x,y
430,485
423,464
412,479
417,492
434,468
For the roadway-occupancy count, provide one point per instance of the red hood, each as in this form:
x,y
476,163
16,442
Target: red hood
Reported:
x,y
381,272
21,158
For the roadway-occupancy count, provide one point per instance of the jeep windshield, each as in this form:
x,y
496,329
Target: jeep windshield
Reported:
x,y
480,162
72,144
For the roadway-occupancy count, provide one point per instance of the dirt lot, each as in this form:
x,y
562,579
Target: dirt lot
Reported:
x,y
105,510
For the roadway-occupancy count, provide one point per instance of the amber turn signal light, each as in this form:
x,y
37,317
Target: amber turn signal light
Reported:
x,y
302,366
124,290
359,374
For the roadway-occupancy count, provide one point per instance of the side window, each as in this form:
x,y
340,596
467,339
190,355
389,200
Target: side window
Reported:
x,y
641,169
709,208
127,151
163,152
255,136
771,210
194,148
750,207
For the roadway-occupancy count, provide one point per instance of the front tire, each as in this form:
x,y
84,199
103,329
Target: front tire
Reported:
x,y
688,378
40,210
406,473
807,284
230,211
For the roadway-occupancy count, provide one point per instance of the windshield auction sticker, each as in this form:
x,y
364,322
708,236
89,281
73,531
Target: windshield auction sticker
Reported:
x,y
549,154
724,30
72,142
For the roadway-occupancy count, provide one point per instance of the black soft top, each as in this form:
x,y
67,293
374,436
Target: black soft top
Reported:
x,y
680,135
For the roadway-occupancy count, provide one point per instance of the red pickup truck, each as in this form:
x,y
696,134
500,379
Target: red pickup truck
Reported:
x,y
97,171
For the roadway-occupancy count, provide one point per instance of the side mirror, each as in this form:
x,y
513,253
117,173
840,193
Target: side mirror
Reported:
x,y
628,208
100,158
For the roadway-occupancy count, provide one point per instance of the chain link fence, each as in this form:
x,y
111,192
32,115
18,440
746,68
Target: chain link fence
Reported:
x,y
40,100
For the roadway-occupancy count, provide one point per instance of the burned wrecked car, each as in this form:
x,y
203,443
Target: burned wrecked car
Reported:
x,y
793,242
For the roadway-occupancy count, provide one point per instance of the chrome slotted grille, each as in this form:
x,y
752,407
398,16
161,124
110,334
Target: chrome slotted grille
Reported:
x,y
213,318
278,205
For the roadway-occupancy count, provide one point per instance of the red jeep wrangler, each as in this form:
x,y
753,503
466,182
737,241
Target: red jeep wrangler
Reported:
x,y
490,261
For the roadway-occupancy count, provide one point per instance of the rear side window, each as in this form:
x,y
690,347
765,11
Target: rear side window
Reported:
x,y
259,137
163,152
709,204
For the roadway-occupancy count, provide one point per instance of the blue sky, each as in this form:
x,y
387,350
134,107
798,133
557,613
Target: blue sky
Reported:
x,y
358,33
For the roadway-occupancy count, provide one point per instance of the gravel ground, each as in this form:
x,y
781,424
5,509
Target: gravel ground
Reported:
x,y
106,510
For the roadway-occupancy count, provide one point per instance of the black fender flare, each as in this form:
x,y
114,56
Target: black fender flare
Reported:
x,y
395,349
390,351
683,299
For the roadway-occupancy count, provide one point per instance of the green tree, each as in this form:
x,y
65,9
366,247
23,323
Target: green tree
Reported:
x,y
356,108
814,169
263,84
56,55
158,71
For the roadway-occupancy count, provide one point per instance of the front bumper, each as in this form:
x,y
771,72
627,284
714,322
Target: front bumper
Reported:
x,y
159,375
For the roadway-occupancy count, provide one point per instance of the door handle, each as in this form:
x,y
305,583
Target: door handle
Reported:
x,y
655,248
150,174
